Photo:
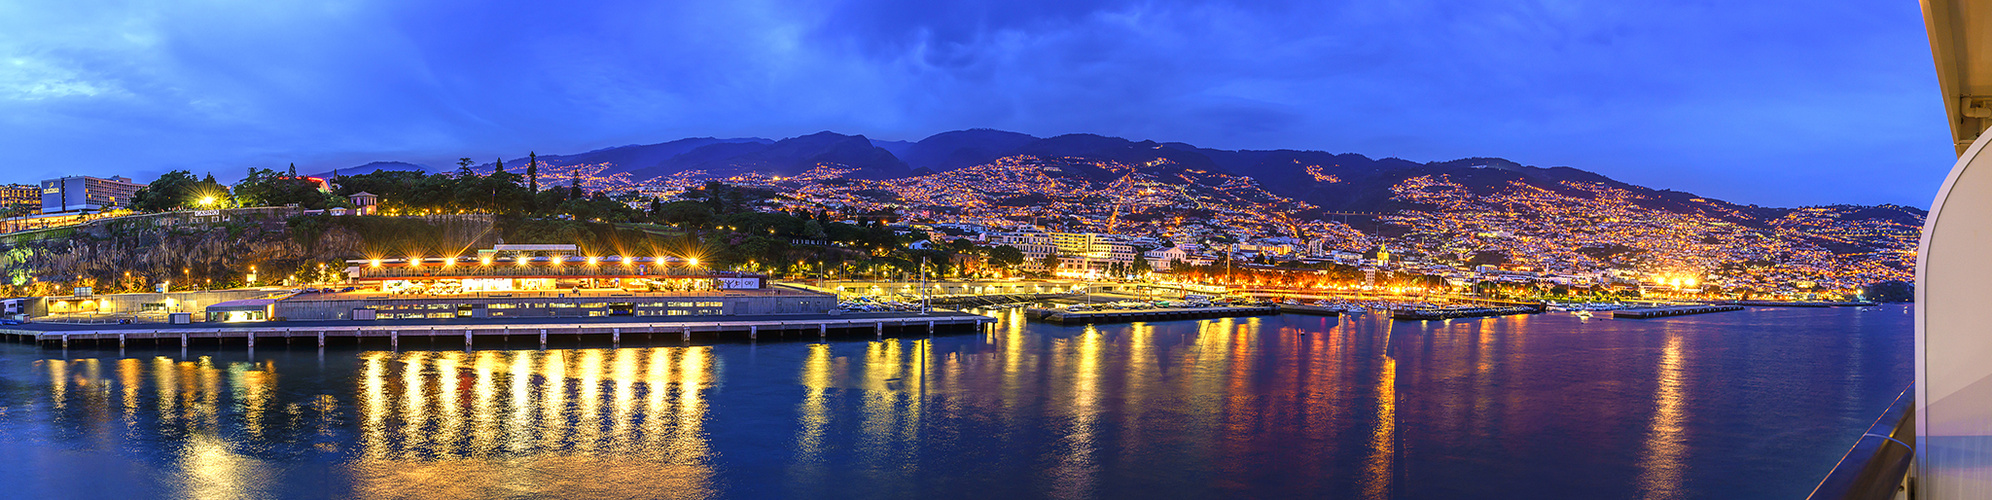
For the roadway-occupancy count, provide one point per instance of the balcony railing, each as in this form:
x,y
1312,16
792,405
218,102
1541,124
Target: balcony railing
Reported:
x,y
1877,468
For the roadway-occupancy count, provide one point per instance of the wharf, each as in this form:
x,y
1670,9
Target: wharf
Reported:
x,y
1665,311
1461,312
1779,303
1061,316
470,331
1307,309
992,300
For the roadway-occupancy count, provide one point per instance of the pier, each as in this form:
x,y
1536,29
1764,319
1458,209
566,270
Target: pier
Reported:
x,y
994,300
1445,313
1063,317
1780,303
470,332
1309,310
1665,311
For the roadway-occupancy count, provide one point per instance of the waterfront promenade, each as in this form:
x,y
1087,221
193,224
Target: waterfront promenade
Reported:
x,y
472,330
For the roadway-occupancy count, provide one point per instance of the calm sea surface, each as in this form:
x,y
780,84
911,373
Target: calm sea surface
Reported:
x,y
1754,404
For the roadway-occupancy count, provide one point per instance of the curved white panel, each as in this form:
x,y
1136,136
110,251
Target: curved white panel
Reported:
x,y
1954,334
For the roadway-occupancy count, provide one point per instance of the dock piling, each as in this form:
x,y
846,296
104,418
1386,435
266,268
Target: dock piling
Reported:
x,y
753,332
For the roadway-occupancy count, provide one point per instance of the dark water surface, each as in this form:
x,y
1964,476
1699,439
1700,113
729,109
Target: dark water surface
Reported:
x,y
1754,404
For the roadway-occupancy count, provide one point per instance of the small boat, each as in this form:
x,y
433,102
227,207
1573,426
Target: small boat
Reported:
x,y
1582,314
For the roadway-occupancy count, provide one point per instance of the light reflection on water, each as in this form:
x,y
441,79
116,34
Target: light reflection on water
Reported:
x,y
1270,406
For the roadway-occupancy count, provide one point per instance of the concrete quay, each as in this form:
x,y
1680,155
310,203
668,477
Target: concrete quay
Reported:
x,y
1666,311
1309,310
1063,317
471,331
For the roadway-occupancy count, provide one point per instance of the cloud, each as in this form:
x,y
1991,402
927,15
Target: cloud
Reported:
x,y
1727,100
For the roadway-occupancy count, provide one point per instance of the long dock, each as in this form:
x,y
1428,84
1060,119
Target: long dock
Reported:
x,y
1132,315
470,332
1665,311
1445,313
1309,310
1779,303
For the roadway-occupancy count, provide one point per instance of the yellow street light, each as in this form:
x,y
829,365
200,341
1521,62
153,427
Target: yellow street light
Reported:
x,y
694,262
486,260
591,261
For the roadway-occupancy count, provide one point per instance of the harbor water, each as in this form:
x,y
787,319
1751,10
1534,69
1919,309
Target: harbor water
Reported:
x,y
1750,404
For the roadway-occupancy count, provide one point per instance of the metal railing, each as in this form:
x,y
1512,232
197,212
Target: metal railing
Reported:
x,y
1877,468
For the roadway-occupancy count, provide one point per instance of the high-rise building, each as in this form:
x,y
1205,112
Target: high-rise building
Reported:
x,y
84,193
13,195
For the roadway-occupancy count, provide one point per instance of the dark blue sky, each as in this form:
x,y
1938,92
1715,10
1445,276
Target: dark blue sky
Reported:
x,y
1769,102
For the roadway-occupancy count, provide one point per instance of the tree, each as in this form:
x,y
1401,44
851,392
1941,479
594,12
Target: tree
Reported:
x,y
463,167
267,188
1890,291
1141,266
532,182
1005,256
1051,262
690,214
170,191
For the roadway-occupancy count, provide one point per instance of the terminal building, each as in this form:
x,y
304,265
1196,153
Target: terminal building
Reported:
x,y
508,281
539,281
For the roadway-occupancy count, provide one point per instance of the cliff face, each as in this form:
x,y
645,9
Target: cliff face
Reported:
x,y
134,255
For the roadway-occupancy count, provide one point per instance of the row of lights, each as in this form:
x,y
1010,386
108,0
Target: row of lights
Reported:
x,y
415,261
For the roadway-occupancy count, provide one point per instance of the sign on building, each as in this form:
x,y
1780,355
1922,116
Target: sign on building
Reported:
x,y
746,283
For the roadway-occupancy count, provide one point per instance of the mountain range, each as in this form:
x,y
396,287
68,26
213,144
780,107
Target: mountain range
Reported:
x,y
1329,182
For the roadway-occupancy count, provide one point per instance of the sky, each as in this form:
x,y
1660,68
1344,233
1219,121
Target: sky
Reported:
x,y
1773,102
